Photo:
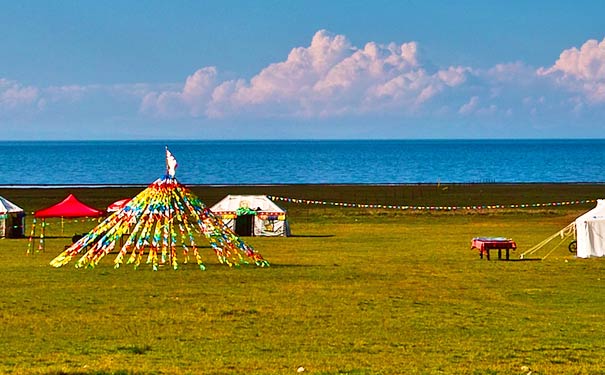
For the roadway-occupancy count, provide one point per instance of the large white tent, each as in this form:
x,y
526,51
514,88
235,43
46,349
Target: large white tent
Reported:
x,y
252,215
590,232
12,219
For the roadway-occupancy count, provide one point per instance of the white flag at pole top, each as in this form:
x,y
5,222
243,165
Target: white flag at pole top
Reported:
x,y
171,164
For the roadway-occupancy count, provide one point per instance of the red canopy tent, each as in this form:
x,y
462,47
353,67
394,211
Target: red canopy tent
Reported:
x,y
70,207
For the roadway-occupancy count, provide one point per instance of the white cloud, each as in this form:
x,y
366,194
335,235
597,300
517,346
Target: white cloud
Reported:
x,y
453,76
470,106
330,77
333,78
581,70
71,102
192,99
14,95
286,87
587,63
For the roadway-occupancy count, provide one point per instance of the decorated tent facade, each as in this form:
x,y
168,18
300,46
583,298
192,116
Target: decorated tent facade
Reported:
x,y
252,215
590,232
152,225
12,219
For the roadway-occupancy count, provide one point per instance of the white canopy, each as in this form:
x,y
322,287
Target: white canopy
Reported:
x,y
590,232
8,207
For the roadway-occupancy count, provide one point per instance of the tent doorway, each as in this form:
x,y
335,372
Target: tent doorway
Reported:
x,y
16,228
244,225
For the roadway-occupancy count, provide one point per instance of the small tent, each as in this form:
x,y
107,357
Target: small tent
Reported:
x,y
69,207
590,232
252,215
12,219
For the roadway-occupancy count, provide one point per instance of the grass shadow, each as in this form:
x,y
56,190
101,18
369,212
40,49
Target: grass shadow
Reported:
x,y
311,235
47,237
524,259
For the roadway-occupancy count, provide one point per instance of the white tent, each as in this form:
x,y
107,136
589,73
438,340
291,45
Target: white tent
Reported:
x,y
12,219
590,232
252,215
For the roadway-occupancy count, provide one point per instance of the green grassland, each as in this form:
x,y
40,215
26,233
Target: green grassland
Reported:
x,y
354,291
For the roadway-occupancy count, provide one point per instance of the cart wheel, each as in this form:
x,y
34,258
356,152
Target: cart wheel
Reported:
x,y
573,246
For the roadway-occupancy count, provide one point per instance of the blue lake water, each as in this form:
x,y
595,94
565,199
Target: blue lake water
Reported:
x,y
304,162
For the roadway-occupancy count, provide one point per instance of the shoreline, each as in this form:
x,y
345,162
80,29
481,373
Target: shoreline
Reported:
x,y
32,198
379,184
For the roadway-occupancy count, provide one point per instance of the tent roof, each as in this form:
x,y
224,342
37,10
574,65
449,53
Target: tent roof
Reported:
x,y
69,207
232,202
7,206
597,213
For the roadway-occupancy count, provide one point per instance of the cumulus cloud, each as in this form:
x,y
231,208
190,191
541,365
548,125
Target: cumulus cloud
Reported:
x,y
333,78
191,100
330,77
581,70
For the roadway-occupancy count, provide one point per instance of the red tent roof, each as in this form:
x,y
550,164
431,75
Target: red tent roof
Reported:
x,y
70,207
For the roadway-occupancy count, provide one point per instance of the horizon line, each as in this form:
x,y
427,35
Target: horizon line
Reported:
x,y
300,139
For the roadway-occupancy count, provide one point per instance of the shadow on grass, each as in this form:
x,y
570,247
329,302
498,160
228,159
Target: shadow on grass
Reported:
x,y
514,260
49,237
311,235
524,259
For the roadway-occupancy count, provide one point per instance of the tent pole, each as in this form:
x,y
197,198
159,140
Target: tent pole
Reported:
x,y
41,245
30,244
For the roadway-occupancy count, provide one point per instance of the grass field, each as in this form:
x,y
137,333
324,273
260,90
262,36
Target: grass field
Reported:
x,y
355,291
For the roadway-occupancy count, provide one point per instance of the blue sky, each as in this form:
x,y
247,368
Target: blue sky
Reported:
x,y
302,69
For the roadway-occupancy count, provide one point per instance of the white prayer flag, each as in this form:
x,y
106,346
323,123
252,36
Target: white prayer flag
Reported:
x,y
171,164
